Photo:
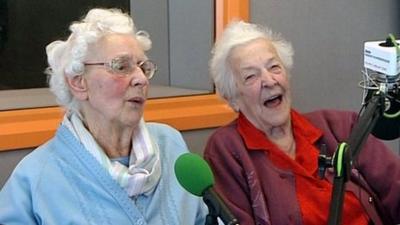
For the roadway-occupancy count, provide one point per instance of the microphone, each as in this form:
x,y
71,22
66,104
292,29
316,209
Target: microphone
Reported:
x,y
382,72
388,126
195,176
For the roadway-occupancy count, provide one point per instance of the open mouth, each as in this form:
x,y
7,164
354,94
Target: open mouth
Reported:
x,y
273,101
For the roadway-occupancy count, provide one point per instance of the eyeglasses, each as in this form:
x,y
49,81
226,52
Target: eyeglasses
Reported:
x,y
125,65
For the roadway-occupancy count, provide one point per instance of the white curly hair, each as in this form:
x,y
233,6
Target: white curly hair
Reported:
x,y
65,58
241,33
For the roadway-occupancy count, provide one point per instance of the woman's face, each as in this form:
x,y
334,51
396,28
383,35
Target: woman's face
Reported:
x,y
112,97
263,90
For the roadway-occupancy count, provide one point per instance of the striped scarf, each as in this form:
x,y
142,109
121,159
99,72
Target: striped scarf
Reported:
x,y
144,171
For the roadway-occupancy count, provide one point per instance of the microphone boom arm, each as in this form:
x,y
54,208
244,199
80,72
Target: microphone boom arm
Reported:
x,y
347,153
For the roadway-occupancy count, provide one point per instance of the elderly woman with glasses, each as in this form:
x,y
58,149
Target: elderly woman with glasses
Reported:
x,y
105,164
266,161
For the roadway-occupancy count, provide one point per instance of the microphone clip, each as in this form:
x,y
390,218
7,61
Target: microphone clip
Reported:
x,y
324,161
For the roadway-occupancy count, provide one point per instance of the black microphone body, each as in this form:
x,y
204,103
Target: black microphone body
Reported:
x,y
388,126
218,207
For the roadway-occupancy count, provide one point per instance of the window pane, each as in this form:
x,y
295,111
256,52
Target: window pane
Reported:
x,y
27,27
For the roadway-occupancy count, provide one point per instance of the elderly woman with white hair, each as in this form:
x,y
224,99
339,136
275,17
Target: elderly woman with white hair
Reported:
x,y
104,165
266,160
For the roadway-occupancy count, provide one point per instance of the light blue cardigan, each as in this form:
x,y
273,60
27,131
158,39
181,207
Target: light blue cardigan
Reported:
x,y
61,183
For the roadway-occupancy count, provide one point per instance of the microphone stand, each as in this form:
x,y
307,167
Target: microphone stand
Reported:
x,y
347,153
213,211
217,208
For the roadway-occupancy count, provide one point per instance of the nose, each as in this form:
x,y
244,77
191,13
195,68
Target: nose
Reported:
x,y
268,79
138,78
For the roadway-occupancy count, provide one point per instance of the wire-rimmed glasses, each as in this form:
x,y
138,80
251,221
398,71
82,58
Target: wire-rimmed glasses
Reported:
x,y
125,65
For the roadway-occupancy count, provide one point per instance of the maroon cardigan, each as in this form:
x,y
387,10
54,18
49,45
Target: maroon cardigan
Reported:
x,y
257,192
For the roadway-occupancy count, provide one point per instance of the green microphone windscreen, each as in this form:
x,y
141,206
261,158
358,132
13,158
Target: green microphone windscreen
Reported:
x,y
193,173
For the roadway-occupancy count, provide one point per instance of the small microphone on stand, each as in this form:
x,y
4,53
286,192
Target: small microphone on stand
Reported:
x,y
382,73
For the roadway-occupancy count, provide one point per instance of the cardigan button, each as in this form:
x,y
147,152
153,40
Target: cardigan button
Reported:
x,y
370,199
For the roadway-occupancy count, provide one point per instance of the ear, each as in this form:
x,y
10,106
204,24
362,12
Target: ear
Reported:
x,y
78,87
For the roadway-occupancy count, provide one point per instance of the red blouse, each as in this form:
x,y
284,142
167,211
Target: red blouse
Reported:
x,y
313,194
